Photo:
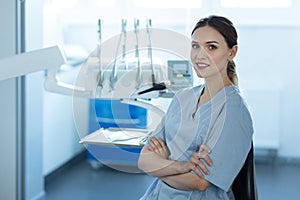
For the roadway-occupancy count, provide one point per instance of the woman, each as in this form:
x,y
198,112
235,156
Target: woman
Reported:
x,y
201,144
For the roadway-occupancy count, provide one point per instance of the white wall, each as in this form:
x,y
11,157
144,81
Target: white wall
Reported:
x,y
59,134
268,63
61,139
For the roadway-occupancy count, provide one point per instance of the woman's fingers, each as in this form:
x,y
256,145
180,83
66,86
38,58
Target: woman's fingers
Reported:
x,y
203,154
158,146
200,161
205,158
204,148
155,144
161,142
162,145
196,169
151,148
195,159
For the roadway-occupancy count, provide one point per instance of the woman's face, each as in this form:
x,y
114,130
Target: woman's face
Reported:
x,y
210,53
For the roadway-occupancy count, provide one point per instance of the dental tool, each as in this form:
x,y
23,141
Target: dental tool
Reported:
x,y
100,73
137,55
113,76
124,23
148,27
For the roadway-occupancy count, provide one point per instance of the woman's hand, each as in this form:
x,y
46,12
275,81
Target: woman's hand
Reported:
x,y
197,159
158,146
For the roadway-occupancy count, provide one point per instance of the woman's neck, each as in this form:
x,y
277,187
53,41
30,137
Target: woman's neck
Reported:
x,y
209,91
213,87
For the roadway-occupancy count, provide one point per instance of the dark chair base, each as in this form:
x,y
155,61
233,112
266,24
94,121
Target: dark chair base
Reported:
x,y
244,185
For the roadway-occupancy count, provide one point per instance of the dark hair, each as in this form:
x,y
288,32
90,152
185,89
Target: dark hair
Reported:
x,y
227,30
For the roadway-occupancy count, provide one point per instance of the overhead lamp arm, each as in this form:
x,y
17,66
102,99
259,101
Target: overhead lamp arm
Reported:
x,y
29,62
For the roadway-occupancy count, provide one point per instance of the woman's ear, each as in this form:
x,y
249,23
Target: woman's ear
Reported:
x,y
233,52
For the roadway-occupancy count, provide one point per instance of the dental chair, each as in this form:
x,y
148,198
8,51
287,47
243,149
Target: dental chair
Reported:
x,y
244,185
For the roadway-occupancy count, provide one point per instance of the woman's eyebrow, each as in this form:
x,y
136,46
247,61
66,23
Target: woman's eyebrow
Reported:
x,y
209,42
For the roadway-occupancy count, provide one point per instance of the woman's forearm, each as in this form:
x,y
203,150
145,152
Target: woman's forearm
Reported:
x,y
186,181
171,172
157,166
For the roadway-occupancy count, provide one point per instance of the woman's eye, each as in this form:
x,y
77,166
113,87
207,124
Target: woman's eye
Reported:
x,y
212,47
195,46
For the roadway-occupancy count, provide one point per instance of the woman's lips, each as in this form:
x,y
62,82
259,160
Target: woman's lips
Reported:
x,y
202,65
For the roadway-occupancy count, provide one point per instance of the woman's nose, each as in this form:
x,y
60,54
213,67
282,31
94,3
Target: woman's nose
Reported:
x,y
201,53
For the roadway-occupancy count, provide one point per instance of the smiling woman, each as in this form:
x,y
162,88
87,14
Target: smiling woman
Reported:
x,y
188,153
213,48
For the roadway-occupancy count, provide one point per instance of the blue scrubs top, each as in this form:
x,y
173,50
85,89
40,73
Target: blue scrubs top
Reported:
x,y
224,124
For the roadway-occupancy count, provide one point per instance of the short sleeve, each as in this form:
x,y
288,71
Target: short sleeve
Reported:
x,y
231,149
158,132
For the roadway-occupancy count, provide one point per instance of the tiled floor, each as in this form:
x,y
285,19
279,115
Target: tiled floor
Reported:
x,y
81,182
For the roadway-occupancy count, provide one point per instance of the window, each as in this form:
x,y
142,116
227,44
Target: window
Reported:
x,y
256,3
168,4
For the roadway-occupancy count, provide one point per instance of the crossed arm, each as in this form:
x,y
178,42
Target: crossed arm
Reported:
x,y
154,161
